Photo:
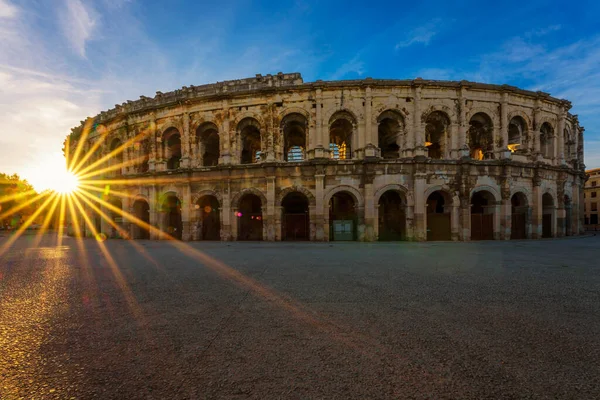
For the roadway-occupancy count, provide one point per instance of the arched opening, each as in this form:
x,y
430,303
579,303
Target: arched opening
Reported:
x,y
481,137
116,217
439,216
249,131
341,128
569,144
547,215
436,129
208,219
172,148
141,210
547,140
568,220
294,127
483,207
250,218
389,133
342,217
117,157
392,216
295,218
171,210
519,216
143,149
207,139
517,130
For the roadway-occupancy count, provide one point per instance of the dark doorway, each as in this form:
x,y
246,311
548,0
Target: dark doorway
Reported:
x,y
547,215
519,215
172,214
295,218
392,217
209,221
482,216
250,218
141,211
438,217
342,217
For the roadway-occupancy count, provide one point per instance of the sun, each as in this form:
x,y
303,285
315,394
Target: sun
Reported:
x,y
52,174
67,183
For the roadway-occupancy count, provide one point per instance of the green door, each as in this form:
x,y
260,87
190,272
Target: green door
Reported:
x,y
343,229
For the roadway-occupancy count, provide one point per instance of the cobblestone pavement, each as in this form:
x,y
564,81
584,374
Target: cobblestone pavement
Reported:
x,y
162,320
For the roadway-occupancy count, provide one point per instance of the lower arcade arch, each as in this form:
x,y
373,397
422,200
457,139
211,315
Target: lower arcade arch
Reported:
x,y
250,218
208,219
392,216
171,216
547,215
343,218
483,207
141,210
519,216
295,219
439,209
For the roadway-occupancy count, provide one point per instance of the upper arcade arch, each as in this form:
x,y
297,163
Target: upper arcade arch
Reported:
x,y
342,132
294,127
390,133
437,128
207,144
249,131
480,136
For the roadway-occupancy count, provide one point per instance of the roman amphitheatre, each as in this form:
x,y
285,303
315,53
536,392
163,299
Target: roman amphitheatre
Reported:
x,y
276,158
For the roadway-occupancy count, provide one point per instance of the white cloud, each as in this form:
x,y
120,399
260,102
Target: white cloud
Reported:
x,y
78,23
355,65
543,31
421,35
7,10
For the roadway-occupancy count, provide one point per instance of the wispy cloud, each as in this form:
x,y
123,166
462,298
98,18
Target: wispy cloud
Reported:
x,y
7,10
78,23
571,71
421,35
355,66
543,31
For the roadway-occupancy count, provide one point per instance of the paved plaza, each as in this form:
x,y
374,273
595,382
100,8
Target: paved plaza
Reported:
x,y
158,320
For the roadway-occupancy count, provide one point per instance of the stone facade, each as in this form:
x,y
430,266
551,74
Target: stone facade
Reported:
x,y
591,197
274,158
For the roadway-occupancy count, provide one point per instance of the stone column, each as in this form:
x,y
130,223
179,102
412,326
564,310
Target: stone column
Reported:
x,y
152,157
463,148
505,212
322,142
153,217
535,136
322,231
271,206
464,217
370,214
503,149
454,221
418,132
536,209
560,149
225,155
126,208
185,141
420,207
312,215
185,213
226,215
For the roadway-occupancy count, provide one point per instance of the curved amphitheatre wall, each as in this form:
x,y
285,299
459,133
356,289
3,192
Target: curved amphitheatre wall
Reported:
x,y
312,160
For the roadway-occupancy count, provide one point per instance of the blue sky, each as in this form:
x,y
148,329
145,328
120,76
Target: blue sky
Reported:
x,y
63,60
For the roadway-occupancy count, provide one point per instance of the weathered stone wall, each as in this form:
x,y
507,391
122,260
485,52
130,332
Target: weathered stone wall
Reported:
x,y
541,163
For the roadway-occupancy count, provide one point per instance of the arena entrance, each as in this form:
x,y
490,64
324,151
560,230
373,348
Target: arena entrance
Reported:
x,y
208,225
116,217
250,219
482,216
172,225
438,216
392,217
547,215
295,218
141,210
342,217
519,216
